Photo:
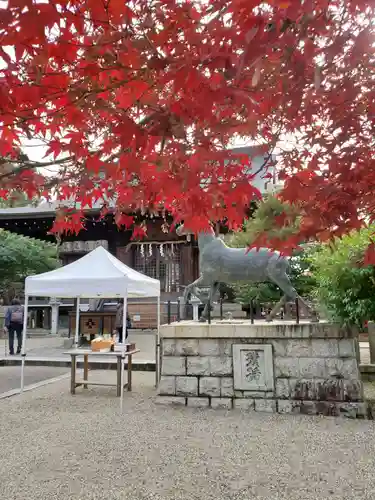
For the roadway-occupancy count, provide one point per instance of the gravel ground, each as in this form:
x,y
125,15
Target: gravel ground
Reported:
x,y
55,446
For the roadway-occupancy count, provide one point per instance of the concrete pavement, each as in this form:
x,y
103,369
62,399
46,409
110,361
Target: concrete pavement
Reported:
x,y
46,360
51,348
10,376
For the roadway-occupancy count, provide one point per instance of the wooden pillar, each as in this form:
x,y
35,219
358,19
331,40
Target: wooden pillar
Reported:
x,y
187,265
196,270
47,318
39,318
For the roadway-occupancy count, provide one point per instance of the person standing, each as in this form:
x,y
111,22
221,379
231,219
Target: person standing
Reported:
x,y
119,321
14,324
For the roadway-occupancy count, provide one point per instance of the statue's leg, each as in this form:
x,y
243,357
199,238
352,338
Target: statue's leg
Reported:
x,y
308,309
211,295
189,289
281,279
276,309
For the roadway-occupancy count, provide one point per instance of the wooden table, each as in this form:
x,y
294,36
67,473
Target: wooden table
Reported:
x,y
74,383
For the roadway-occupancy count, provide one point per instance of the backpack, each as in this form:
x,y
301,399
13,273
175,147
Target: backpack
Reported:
x,y
17,316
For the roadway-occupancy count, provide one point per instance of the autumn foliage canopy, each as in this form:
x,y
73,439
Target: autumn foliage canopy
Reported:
x,y
138,100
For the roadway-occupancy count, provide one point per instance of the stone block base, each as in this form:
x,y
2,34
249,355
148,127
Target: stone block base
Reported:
x,y
325,408
310,369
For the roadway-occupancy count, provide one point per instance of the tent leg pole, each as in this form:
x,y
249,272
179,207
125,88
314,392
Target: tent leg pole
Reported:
x,y
124,315
122,381
157,346
76,337
23,350
156,361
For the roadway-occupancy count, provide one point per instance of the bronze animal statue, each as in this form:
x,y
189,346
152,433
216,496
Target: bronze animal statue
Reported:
x,y
219,263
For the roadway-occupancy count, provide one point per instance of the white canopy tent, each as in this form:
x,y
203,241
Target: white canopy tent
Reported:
x,y
97,274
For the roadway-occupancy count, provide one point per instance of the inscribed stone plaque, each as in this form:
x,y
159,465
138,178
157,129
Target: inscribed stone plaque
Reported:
x,y
253,367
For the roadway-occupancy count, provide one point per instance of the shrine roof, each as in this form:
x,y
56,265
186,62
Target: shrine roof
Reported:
x,y
44,209
48,209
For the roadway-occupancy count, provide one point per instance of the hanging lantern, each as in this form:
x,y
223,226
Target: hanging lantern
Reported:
x,y
150,250
162,250
142,250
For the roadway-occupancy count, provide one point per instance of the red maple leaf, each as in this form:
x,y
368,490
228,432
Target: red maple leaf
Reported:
x,y
140,103
139,232
54,149
124,220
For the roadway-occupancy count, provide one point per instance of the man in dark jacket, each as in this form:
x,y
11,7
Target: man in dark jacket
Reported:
x,y
14,324
119,321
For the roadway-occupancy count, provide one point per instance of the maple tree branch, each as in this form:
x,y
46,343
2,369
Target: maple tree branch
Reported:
x,y
266,160
34,164
28,165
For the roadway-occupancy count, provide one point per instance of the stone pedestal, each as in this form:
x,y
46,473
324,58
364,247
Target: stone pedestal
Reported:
x,y
283,367
54,315
195,302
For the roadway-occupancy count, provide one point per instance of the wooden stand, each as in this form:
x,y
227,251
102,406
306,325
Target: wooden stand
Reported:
x,y
74,383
